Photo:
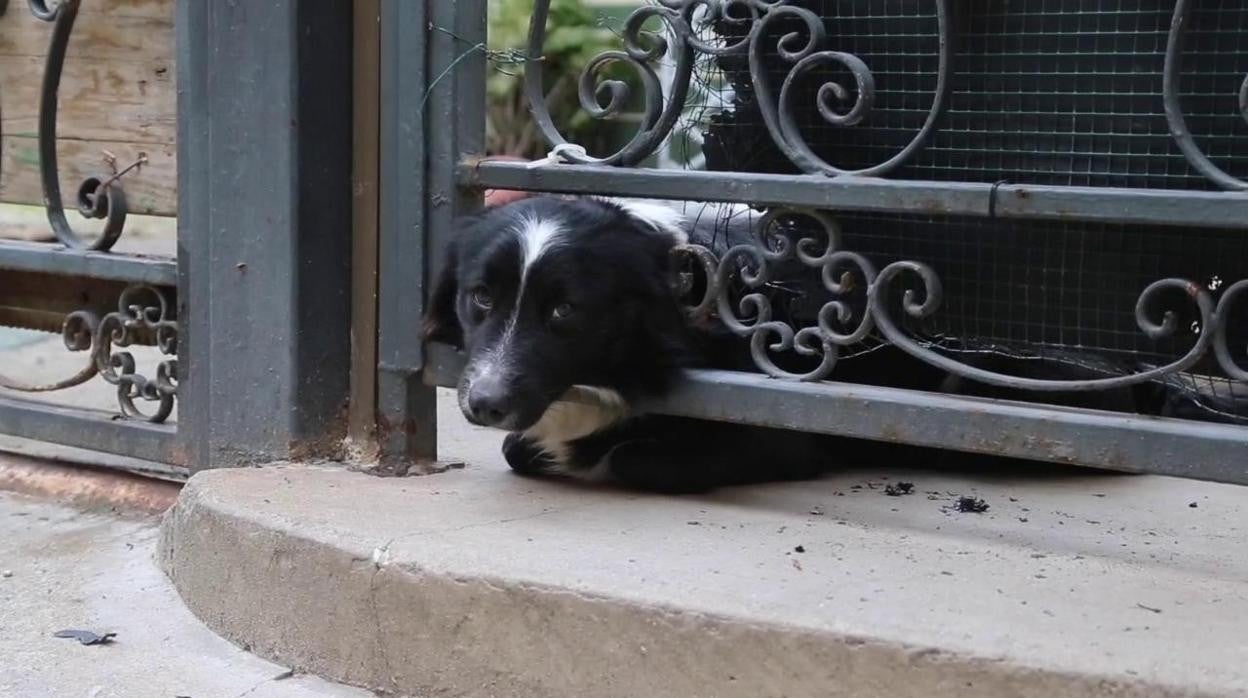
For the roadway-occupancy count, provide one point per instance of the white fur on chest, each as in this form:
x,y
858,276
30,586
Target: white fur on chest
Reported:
x,y
582,411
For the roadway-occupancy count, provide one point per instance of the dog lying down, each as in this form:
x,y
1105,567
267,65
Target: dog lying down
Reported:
x,y
567,315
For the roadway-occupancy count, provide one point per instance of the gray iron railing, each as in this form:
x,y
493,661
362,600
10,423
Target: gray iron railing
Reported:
x,y
121,300
818,102
248,312
876,140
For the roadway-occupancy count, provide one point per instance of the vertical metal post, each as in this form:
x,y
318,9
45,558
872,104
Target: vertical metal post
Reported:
x,y
432,101
264,138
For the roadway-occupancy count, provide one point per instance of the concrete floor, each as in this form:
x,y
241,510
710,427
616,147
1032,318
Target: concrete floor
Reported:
x,y
65,568
1087,577
1070,579
487,584
62,569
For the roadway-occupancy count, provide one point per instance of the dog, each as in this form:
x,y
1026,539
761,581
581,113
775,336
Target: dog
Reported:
x,y
568,316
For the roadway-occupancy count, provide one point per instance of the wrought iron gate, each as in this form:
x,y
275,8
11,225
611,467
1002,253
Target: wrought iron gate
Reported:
x,y
914,146
965,132
252,315
100,302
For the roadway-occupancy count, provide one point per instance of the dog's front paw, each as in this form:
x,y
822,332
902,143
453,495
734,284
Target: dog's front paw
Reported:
x,y
524,456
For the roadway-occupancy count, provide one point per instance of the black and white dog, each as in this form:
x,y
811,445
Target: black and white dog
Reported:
x,y
567,314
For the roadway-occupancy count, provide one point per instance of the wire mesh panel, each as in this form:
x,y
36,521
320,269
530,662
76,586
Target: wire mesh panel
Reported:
x,y
1057,297
1066,92
1007,194
1042,92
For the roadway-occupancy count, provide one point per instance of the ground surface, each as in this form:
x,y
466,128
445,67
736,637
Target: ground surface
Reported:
x,y
488,584
1085,577
479,583
95,572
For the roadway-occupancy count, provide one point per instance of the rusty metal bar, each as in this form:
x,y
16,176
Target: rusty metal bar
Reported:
x,y
52,259
850,193
1108,440
91,429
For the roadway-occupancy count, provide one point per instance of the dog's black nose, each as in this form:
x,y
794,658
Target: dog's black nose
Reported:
x,y
487,402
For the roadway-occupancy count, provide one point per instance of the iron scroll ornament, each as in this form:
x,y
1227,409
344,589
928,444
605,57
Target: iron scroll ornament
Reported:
x,y
143,314
860,305
1175,119
805,52
805,57
97,197
640,50
141,310
78,332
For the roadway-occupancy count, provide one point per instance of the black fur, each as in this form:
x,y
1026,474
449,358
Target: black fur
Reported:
x,y
625,332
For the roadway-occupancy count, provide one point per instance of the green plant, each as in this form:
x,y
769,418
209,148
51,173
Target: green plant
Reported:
x,y
573,39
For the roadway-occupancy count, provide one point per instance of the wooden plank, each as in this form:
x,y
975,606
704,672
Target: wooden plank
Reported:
x,y
150,191
362,417
117,94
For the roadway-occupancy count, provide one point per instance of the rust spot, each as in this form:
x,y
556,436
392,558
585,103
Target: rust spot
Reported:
x,y
890,432
473,161
330,444
86,488
178,456
387,427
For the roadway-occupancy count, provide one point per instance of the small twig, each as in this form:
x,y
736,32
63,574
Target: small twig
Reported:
x,y
112,161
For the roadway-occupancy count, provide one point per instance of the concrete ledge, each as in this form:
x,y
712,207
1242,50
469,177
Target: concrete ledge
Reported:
x,y
479,583
84,487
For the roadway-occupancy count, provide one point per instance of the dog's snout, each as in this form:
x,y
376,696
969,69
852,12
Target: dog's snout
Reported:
x,y
487,401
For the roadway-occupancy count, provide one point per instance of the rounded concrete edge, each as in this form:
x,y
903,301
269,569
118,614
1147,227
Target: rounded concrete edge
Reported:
x,y
324,604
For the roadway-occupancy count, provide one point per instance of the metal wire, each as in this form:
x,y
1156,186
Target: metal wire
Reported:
x,y
1064,92
1055,92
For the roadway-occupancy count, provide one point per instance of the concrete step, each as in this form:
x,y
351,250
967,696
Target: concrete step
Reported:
x,y
481,583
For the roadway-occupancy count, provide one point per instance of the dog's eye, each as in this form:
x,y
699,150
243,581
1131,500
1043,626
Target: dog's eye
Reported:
x,y
481,298
562,311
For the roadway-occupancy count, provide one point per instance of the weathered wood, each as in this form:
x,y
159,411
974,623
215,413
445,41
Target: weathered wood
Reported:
x,y
362,417
117,95
151,191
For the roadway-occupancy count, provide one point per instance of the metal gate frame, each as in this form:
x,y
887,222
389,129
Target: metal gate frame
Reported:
x,y
264,268
449,114
262,275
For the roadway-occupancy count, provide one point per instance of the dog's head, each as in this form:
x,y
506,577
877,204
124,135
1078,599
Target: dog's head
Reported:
x,y
545,294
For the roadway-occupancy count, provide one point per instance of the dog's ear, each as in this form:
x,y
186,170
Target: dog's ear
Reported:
x,y
441,319
659,217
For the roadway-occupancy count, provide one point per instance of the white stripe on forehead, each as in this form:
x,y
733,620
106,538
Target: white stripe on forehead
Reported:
x,y
536,235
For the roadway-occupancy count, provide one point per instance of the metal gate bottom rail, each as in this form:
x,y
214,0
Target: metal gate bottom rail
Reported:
x,y
1109,440
93,430
851,193
53,259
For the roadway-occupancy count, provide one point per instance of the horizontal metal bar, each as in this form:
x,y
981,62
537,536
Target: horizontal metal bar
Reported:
x,y
1146,206
54,259
89,429
996,427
